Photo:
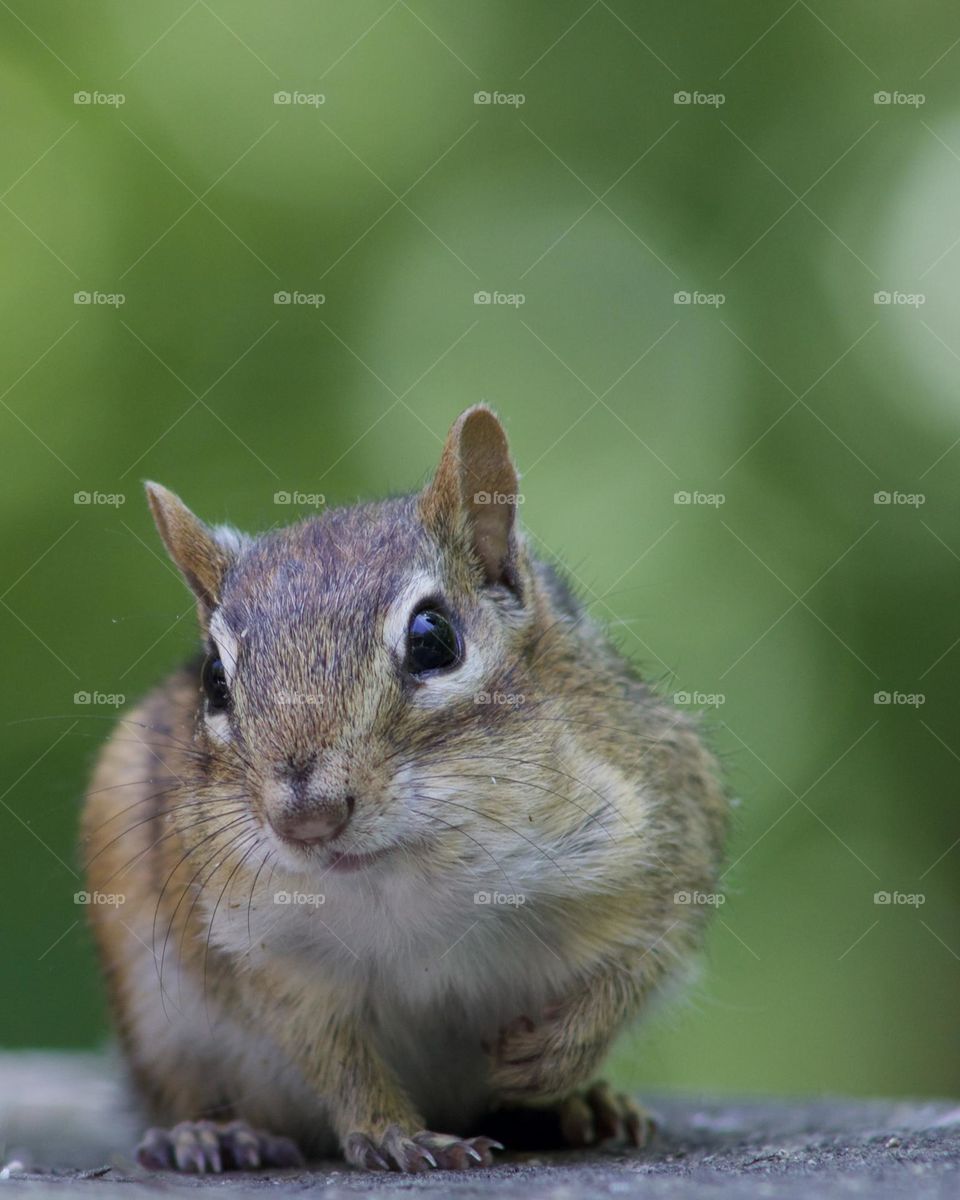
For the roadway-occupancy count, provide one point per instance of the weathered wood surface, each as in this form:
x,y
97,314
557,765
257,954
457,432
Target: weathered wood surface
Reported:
x,y
65,1120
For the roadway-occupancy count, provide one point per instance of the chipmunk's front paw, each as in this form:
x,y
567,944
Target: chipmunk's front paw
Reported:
x,y
424,1151
201,1147
602,1115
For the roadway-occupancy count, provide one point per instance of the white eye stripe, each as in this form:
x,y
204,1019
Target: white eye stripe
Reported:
x,y
218,725
227,644
397,619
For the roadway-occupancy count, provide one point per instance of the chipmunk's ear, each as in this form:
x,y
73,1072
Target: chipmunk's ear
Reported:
x,y
201,553
473,494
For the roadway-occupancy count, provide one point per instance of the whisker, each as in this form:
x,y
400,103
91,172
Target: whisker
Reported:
x,y
253,888
538,787
169,834
176,868
476,841
154,816
605,801
223,850
213,916
487,817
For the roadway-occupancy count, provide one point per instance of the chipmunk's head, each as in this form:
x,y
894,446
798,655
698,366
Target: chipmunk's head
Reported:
x,y
345,655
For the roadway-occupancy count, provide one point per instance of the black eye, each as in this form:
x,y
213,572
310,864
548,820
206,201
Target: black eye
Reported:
x,y
432,643
214,680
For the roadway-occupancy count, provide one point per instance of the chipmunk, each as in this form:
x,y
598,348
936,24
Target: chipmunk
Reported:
x,y
399,852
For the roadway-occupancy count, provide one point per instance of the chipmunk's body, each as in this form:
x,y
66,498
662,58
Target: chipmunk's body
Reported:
x,y
409,854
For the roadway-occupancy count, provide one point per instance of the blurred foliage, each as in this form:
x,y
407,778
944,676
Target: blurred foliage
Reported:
x,y
598,198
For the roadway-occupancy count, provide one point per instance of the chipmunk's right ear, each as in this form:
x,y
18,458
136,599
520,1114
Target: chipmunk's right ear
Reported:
x,y
473,495
201,555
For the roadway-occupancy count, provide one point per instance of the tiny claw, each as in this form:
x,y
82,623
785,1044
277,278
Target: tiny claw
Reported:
x,y
189,1159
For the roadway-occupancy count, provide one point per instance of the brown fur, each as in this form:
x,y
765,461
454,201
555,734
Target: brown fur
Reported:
x,y
176,819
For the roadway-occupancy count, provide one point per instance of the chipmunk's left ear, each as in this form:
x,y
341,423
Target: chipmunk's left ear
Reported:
x,y
474,494
202,554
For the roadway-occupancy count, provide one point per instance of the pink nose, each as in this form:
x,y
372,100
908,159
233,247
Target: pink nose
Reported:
x,y
316,825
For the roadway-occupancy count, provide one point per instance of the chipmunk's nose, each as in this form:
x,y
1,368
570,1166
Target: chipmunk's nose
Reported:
x,y
319,820
300,812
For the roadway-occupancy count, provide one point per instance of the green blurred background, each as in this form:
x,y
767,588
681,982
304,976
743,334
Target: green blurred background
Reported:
x,y
397,198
